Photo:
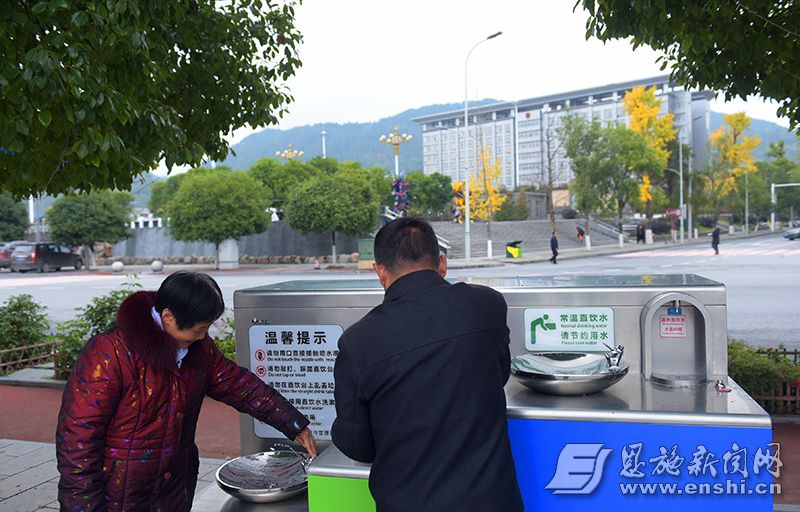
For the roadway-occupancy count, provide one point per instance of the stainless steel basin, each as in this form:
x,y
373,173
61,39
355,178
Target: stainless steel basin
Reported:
x,y
265,477
568,373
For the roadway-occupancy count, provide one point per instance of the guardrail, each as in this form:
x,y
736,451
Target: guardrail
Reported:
x,y
391,215
21,357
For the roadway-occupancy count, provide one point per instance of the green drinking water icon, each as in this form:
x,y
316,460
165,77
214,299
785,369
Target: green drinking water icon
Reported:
x,y
542,322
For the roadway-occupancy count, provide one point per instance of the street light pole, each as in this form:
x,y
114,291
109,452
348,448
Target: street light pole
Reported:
x,y
680,166
395,139
324,152
467,237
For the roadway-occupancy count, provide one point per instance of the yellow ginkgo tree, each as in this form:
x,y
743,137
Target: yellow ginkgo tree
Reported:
x,y
485,196
644,116
733,156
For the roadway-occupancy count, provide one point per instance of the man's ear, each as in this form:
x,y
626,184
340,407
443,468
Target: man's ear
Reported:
x,y
383,274
442,265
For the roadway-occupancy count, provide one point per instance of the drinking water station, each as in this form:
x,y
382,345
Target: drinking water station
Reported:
x,y
619,395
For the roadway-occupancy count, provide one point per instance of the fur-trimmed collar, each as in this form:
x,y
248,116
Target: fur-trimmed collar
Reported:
x,y
142,335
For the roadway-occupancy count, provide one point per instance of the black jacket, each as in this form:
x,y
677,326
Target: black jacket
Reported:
x,y
553,243
715,236
419,394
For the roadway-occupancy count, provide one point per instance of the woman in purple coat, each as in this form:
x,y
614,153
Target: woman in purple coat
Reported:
x,y
125,438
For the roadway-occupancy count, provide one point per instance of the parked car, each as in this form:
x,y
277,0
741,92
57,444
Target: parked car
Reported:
x,y
6,250
791,234
43,257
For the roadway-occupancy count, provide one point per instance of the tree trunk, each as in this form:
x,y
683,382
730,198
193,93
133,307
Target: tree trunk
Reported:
x,y
216,260
87,252
333,247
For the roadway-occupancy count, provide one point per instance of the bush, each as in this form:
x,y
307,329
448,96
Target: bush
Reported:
x,y
568,213
22,322
706,222
661,226
758,373
99,316
226,337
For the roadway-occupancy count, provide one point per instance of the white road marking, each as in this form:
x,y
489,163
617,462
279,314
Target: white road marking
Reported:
x,y
37,281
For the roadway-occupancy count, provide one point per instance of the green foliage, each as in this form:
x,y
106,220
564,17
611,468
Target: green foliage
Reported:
x,y
162,192
217,205
718,45
608,163
95,93
757,372
780,169
13,218
341,202
226,337
279,179
97,317
23,321
82,219
513,208
430,194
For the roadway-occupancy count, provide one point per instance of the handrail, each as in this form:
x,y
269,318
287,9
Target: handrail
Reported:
x,y
392,215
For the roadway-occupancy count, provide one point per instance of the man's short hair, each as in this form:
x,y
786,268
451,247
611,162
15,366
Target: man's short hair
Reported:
x,y
192,297
406,241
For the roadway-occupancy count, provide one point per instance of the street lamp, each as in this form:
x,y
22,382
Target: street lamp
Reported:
x,y
289,153
395,139
467,237
324,152
680,200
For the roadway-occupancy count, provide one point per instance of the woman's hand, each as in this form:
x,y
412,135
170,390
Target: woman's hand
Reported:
x,y
306,438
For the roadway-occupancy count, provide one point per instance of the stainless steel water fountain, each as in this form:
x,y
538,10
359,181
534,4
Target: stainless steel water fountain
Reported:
x,y
570,373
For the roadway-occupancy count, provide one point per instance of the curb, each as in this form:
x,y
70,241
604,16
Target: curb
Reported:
x,y
30,383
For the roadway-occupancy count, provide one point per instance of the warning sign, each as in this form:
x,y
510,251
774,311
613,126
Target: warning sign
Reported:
x,y
673,326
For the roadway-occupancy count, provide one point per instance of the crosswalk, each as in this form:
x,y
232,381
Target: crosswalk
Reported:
x,y
707,251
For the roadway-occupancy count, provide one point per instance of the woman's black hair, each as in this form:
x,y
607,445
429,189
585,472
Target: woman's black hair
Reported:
x,y
192,297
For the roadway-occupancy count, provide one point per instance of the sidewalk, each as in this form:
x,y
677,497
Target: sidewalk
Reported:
x,y
28,473
534,256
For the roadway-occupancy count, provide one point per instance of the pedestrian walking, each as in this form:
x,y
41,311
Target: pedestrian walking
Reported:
x,y
581,234
715,240
639,234
554,247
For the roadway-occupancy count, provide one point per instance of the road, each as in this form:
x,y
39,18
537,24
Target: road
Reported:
x,y
761,275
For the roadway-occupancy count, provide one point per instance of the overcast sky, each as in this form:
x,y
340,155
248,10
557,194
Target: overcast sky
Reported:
x,y
364,60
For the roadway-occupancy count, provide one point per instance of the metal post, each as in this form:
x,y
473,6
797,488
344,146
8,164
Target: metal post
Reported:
x,y
774,201
324,152
467,237
680,167
396,162
746,203
689,206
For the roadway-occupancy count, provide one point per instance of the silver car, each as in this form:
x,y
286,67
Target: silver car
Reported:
x,y
792,233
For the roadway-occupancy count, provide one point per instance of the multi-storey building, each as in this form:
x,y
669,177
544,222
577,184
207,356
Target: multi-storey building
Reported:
x,y
522,135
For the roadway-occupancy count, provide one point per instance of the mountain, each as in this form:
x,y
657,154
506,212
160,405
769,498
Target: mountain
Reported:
x,y
359,141
349,141
768,132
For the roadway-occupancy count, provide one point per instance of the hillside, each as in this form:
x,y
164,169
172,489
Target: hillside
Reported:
x,y
349,141
359,141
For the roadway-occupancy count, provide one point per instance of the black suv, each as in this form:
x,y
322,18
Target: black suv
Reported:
x,y
43,257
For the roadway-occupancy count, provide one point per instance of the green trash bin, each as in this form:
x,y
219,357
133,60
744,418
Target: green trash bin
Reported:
x,y
513,250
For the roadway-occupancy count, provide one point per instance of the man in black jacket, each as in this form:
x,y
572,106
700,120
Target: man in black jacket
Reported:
x,y
554,248
419,385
